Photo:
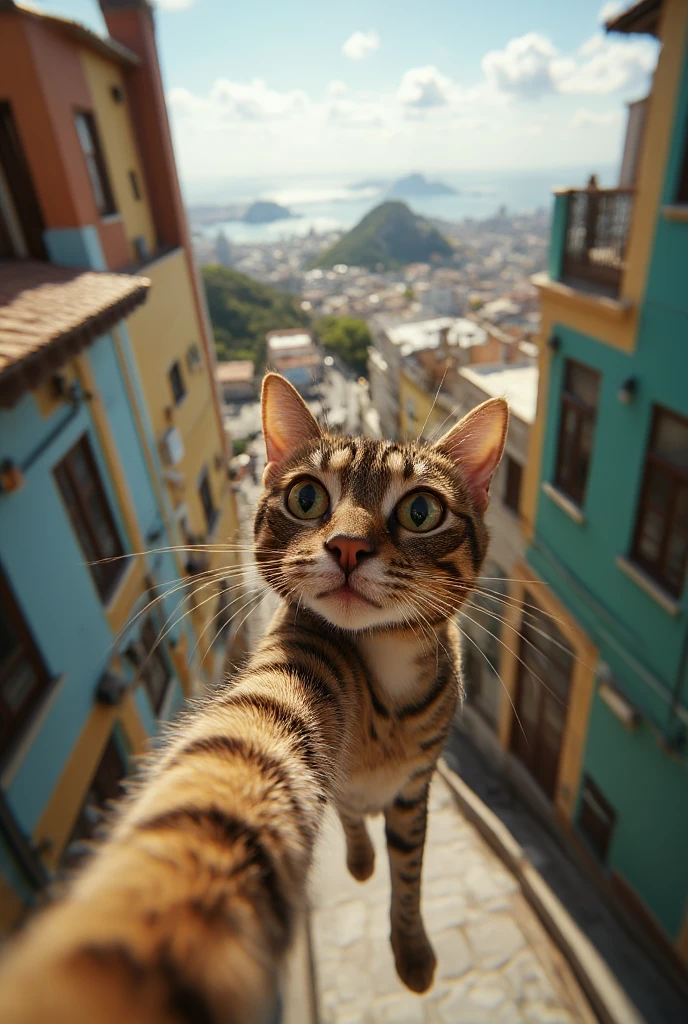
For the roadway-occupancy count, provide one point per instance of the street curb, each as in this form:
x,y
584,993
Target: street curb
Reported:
x,y
607,998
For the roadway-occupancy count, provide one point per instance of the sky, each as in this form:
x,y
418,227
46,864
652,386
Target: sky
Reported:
x,y
264,88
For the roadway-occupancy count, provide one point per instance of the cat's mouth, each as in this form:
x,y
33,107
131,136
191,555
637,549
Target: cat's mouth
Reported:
x,y
348,596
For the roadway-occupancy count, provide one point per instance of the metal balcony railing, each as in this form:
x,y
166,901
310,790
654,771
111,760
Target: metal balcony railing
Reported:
x,y
597,230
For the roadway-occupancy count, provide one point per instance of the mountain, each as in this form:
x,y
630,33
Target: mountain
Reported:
x,y
417,186
242,311
390,235
265,212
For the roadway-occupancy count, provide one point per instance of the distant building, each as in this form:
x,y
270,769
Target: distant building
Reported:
x,y
112,447
223,250
236,380
294,354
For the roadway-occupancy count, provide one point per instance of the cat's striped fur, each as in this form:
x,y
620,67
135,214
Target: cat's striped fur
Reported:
x,y
185,913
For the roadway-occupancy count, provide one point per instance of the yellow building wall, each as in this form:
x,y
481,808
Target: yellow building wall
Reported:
x,y
119,147
161,332
57,821
418,407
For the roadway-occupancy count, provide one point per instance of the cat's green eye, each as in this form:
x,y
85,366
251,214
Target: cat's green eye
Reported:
x,y
308,499
420,511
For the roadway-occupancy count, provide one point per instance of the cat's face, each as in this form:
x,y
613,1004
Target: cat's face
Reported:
x,y
369,534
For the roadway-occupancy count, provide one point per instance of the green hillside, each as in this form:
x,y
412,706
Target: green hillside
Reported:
x,y
390,235
242,311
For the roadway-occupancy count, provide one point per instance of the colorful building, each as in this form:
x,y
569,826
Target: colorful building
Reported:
x,y
600,680
112,447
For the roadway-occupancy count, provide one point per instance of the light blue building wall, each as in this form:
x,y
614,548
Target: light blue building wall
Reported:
x,y
44,565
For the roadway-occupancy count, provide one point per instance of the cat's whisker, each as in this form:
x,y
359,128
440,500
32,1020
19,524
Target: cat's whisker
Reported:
x,y
477,646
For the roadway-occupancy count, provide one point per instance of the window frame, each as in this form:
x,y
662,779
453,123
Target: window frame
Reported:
x,y
96,165
105,574
205,493
582,411
653,464
510,466
27,650
134,183
178,389
154,657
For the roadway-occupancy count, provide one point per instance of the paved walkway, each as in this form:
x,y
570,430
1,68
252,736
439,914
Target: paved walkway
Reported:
x,y
496,963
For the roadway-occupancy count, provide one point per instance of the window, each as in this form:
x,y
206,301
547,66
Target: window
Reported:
x,y
682,190
105,786
134,182
596,818
23,676
576,429
154,671
176,382
206,496
660,545
21,221
512,487
79,482
95,163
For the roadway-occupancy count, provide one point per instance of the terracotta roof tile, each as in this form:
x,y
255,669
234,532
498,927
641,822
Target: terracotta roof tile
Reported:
x,y
49,313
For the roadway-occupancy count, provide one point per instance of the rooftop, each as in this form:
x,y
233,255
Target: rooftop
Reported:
x,y
48,314
281,340
235,371
105,46
423,334
518,384
641,17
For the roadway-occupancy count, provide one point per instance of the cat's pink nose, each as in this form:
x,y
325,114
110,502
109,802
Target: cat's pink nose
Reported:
x,y
349,550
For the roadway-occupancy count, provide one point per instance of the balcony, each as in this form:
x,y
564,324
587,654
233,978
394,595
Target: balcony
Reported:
x,y
589,237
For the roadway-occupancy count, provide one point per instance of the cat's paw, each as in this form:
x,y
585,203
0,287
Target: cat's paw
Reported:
x,y
362,865
415,962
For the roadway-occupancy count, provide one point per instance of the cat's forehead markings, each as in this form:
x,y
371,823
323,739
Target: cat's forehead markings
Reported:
x,y
395,462
341,459
316,459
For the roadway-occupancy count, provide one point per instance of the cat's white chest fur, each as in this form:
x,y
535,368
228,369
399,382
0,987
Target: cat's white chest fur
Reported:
x,y
396,664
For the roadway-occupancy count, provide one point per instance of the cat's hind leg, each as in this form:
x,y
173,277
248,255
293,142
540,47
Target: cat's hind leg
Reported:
x,y
405,824
360,853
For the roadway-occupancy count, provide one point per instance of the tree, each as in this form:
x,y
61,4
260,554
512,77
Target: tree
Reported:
x,y
348,338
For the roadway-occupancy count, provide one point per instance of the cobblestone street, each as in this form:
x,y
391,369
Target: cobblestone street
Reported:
x,y
495,961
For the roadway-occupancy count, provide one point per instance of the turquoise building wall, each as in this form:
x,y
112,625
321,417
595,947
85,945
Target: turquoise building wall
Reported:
x,y
642,772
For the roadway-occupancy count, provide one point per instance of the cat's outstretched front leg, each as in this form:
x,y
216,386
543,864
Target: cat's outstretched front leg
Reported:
x,y
405,824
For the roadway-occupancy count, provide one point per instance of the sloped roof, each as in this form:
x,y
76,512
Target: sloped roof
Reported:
x,y
49,313
80,33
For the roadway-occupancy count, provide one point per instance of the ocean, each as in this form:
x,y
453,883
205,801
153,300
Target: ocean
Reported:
x,y
332,203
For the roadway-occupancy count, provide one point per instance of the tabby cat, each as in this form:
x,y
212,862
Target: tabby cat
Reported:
x,y
185,912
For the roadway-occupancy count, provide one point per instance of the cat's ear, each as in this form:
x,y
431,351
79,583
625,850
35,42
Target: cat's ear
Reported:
x,y
287,421
476,444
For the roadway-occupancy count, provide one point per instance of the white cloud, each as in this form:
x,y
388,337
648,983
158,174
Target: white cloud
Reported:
x,y
609,65
336,88
361,44
254,101
609,10
530,66
174,5
424,87
597,118
524,67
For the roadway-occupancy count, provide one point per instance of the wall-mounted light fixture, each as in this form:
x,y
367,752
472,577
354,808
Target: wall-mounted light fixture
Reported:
x,y
116,93
11,477
628,389
554,343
